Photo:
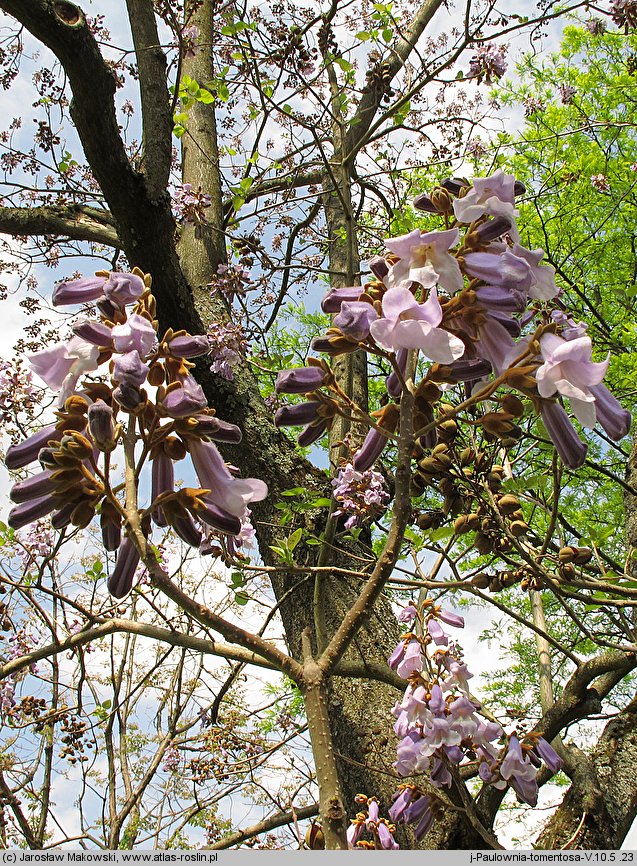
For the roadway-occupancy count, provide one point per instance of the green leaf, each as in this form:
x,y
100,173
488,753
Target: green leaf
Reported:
x,y
294,539
241,597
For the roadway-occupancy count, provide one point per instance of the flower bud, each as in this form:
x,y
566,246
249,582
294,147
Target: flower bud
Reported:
x,y
101,426
300,380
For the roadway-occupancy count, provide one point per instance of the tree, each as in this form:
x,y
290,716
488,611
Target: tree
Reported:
x,y
316,205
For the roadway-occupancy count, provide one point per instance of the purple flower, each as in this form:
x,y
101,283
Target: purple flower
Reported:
x,y
542,276
355,319
333,300
20,455
503,269
30,510
425,259
563,435
34,487
547,753
392,383
385,838
436,632
135,335
373,446
60,366
80,291
230,494
402,801
300,380
298,414
408,613
406,324
119,289
94,332
214,428
100,425
569,370
609,413
130,368
421,815
492,195
120,581
409,659
453,619
488,63
520,773
189,346
358,494
186,400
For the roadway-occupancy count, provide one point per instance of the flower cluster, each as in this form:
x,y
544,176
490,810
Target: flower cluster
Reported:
x,y
361,495
191,205
600,182
488,63
230,281
532,105
440,726
227,346
461,299
172,760
189,41
624,13
567,93
148,394
596,26
17,392
368,831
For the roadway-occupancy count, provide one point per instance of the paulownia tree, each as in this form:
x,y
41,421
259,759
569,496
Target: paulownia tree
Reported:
x,y
296,132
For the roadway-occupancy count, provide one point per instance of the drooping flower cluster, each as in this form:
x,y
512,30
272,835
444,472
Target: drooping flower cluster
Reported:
x,y
361,495
488,63
189,40
600,182
477,304
17,392
440,725
191,205
624,13
227,346
150,396
230,281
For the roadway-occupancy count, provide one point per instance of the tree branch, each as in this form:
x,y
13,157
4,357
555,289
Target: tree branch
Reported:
x,y
278,820
76,222
156,116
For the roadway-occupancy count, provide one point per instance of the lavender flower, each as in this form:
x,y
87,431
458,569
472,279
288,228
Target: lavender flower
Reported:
x,y
361,495
488,63
569,370
406,324
492,195
227,347
424,258
61,366
191,205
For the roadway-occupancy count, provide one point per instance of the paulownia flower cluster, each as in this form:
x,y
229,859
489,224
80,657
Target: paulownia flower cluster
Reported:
x,y
143,397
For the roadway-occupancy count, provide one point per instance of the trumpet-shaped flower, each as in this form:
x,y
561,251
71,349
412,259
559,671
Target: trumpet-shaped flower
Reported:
x,y
425,259
136,334
230,494
60,366
406,324
492,195
569,370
